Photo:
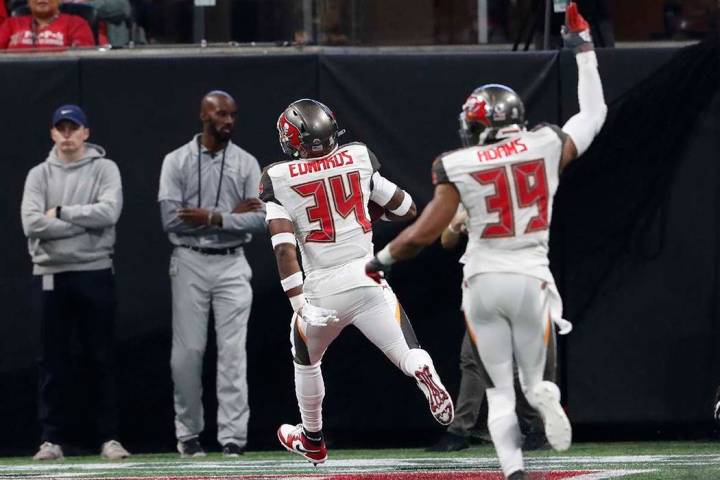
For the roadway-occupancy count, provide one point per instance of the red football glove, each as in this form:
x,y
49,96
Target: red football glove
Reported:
x,y
576,31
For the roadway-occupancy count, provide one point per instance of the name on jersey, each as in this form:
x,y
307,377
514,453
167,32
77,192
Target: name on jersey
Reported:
x,y
501,151
340,159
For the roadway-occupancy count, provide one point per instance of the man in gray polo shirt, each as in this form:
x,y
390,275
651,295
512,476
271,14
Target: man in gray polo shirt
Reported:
x,y
208,190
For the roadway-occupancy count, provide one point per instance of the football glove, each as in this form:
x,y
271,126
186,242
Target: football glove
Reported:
x,y
376,270
318,316
576,31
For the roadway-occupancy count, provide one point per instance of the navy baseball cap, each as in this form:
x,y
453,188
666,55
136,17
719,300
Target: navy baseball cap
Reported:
x,y
70,112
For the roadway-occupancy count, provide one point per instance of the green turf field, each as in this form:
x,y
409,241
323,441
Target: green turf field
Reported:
x,y
585,461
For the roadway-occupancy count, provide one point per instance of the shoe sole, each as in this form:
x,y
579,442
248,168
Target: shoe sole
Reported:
x,y
292,450
557,426
439,400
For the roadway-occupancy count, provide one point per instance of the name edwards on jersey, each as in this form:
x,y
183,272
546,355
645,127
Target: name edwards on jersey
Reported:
x,y
340,159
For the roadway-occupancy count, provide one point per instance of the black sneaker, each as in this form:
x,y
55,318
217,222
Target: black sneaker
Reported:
x,y
232,450
449,442
190,448
519,475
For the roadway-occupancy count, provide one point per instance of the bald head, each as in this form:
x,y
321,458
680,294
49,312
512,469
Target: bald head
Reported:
x,y
217,113
213,99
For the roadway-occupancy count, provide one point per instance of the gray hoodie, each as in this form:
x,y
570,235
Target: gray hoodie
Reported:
x,y
90,194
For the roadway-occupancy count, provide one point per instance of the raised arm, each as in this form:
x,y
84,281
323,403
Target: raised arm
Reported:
x,y
36,224
106,211
587,123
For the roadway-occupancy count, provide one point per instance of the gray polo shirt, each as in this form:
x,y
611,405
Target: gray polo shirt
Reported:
x,y
212,186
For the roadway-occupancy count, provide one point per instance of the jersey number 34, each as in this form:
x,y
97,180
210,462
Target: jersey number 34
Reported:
x,y
343,202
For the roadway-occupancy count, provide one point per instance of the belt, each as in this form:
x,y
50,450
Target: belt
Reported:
x,y
212,251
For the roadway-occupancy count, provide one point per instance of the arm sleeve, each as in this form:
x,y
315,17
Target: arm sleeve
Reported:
x,y
382,189
248,222
105,212
3,12
586,124
171,184
80,33
439,175
32,211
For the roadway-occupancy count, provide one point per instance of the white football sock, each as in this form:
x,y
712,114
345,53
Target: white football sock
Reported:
x,y
310,391
413,360
504,429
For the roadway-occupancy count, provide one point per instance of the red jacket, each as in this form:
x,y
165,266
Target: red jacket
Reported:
x,y
64,31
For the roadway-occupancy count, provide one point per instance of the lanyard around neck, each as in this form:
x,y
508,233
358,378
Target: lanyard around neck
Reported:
x,y
222,169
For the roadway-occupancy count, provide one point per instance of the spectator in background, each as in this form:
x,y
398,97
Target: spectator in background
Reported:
x,y
112,17
45,28
70,206
209,208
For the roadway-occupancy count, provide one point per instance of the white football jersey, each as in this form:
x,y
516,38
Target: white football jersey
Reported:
x,y
327,201
507,189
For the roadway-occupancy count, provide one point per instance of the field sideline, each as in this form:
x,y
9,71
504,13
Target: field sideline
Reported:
x,y
585,461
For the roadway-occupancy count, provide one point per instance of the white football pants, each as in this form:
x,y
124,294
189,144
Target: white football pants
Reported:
x,y
508,317
376,312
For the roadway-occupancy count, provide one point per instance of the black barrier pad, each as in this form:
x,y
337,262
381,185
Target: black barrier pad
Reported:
x,y
406,107
643,351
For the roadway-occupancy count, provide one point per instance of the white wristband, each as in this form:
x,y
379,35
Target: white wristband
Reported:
x,y
294,280
297,302
404,206
284,237
384,256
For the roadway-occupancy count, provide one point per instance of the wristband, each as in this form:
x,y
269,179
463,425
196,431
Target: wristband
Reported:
x,y
294,280
284,237
404,206
384,256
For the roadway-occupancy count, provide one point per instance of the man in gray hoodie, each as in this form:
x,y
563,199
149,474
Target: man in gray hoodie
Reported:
x,y
70,206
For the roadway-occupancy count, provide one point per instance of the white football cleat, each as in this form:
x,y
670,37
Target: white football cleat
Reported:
x,y
546,398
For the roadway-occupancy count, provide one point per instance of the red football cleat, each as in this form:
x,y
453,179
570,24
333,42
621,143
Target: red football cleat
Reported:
x,y
439,401
294,440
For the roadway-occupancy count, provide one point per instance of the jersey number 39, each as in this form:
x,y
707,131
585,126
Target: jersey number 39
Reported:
x,y
531,189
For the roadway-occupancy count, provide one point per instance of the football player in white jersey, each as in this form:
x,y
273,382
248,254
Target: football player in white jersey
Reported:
x,y
319,200
506,178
